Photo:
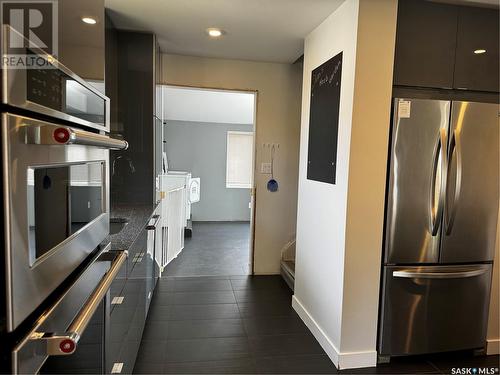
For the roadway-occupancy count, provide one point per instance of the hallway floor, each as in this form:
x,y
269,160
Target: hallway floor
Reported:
x,y
216,249
246,325
227,325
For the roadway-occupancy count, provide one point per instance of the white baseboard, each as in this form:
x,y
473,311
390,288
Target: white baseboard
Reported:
x,y
316,330
345,360
350,360
492,346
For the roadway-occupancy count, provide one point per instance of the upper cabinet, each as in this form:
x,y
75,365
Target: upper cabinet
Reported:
x,y
476,66
81,45
425,44
437,45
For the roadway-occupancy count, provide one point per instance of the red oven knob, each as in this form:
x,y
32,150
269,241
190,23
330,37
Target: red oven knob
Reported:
x,y
67,346
61,135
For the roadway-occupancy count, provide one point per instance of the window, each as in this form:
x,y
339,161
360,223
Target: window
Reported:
x,y
239,160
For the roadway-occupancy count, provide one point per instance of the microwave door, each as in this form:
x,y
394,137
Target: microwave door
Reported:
x,y
471,208
416,180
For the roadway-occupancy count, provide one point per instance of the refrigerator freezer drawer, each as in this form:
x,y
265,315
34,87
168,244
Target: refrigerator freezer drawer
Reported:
x,y
434,309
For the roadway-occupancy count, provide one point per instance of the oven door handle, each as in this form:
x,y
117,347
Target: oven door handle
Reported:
x,y
65,344
63,135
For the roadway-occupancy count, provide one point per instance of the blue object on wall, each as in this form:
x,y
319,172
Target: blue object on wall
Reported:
x,y
272,184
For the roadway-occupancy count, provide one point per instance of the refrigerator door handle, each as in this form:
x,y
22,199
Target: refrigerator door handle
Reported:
x,y
439,165
450,212
413,274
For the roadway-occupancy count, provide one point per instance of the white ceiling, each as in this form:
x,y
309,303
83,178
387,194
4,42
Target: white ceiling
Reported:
x,y
258,30
214,106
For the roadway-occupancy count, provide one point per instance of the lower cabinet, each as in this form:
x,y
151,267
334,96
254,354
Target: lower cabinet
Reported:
x,y
130,305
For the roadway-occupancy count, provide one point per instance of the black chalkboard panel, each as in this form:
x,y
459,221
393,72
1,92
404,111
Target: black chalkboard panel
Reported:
x,y
324,121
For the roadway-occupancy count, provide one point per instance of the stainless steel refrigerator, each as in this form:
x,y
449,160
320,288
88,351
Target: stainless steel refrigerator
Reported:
x,y
441,220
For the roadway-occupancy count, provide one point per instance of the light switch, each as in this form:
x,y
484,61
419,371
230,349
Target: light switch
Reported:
x,y
265,168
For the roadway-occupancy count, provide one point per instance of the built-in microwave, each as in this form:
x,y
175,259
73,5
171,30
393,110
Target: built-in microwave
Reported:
x,y
49,88
56,208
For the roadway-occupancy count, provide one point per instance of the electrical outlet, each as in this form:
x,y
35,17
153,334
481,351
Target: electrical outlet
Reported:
x,y
265,168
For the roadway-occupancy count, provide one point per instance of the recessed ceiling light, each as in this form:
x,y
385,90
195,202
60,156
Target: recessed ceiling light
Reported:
x,y
89,20
479,51
215,32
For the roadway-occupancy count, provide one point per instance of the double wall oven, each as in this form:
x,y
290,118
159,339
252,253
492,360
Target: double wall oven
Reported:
x,y
55,190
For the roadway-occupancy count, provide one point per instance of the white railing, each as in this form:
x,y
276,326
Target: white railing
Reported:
x,y
173,207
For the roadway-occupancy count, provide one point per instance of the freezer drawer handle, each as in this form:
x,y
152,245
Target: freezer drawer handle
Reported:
x,y
409,274
66,343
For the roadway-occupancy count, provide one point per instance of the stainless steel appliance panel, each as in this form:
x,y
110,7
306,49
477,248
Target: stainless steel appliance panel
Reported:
x,y
53,90
81,315
434,309
418,157
30,280
470,219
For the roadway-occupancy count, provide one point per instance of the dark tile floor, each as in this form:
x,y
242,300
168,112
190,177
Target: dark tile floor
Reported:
x,y
216,249
246,325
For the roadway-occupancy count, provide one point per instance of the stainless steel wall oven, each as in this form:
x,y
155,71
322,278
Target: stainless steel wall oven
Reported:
x,y
55,219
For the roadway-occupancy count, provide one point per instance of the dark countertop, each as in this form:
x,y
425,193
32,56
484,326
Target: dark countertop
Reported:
x,y
137,217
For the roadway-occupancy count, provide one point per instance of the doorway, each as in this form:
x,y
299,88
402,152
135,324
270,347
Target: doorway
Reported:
x,y
210,133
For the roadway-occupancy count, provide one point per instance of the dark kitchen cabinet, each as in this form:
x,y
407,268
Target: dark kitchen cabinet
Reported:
x,y
477,30
130,306
435,46
133,87
81,46
425,44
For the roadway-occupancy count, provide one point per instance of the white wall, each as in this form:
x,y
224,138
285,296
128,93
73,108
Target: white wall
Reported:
x,y
339,227
321,216
278,88
367,179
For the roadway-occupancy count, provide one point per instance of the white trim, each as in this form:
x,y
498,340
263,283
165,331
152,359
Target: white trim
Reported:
x,y
345,360
350,360
492,346
316,330
230,185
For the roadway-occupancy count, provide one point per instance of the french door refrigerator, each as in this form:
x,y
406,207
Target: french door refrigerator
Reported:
x,y
441,220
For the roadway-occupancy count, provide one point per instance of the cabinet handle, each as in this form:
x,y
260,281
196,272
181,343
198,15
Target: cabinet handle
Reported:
x,y
153,226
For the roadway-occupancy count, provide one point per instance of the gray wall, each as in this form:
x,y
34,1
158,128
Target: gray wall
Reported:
x,y
200,148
